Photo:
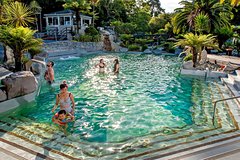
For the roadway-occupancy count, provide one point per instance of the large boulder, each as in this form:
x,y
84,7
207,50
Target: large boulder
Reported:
x,y
3,95
20,83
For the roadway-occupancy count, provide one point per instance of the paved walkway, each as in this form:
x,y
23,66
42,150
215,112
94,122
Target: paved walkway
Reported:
x,y
224,58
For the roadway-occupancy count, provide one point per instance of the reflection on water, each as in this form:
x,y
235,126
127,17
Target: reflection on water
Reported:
x,y
147,96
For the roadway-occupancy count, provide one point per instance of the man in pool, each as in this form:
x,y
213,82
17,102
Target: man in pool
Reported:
x,y
62,118
49,74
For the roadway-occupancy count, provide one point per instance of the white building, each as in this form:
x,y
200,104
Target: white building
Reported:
x,y
66,19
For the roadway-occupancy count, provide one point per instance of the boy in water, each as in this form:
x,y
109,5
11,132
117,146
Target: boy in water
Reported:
x,y
62,118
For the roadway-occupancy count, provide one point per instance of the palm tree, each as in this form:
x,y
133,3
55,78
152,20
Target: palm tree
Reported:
x,y
77,6
202,23
18,14
233,2
197,42
94,14
219,14
19,39
37,9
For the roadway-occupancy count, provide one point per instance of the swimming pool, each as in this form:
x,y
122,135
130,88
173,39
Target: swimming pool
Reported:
x,y
147,107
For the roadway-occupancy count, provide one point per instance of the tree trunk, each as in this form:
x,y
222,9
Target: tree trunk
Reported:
x,y
194,57
93,14
77,19
18,63
4,53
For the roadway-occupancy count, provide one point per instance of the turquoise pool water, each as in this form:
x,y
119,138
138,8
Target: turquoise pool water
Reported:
x,y
147,96
149,102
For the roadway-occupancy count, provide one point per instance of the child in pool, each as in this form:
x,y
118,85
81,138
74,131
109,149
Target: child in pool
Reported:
x,y
62,118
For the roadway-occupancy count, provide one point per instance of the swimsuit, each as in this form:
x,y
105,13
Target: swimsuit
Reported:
x,y
66,104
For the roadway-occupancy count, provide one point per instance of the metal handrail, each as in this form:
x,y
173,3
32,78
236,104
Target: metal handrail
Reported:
x,y
215,105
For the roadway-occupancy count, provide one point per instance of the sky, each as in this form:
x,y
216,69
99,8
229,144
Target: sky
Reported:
x,y
169,5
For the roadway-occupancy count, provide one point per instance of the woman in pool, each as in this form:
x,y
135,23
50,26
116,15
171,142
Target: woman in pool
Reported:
x,y
101,66
116,67
65,99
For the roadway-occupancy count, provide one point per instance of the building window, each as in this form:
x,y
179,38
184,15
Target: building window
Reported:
x,y
50,21
61,20
55,21
67,21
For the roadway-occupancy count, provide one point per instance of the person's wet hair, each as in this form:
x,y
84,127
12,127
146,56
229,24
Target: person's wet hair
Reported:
x,y
52,63
62,112
63,85
101,60
116,60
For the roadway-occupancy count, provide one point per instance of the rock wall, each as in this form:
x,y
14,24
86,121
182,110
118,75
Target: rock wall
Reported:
x,y
19,84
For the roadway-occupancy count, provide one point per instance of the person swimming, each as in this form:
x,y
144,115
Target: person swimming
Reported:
x,y
65,99
116,66
62,118
101,66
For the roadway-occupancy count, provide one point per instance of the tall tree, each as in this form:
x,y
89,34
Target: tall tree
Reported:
x,y
233,2
94,14
37,9
219,14
155,6
77,6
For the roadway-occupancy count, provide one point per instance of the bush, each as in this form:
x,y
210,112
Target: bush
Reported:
x,y
144,47
91,31
126,39
188,57
34,51
133,47
141,41
169,47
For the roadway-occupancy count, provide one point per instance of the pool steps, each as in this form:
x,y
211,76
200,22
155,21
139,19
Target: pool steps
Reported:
x,y
161,144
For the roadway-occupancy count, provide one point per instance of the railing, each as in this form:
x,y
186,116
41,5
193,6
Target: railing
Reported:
x,y
215,105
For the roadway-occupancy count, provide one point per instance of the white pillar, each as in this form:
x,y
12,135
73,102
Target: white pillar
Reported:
x,y
90,21
46,21
81,24
58,23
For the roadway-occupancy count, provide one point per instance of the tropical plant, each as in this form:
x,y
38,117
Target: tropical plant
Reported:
x,y
219,14
223,34
18,14
77,6
19,39
202,23
94,14
233,2
133,47
197,42
36,9
34,51
91,31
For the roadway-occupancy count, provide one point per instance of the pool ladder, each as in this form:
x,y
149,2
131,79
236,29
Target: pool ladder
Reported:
x,y
215,105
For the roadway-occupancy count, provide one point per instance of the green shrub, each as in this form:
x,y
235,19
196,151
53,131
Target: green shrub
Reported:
x,y
34,51
133,47
144,47
91,31
169,47
188,57
126,39
141,41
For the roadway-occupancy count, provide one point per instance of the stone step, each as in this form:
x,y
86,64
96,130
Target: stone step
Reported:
x,y
21,149
237,72
166,143
228,149
235,79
